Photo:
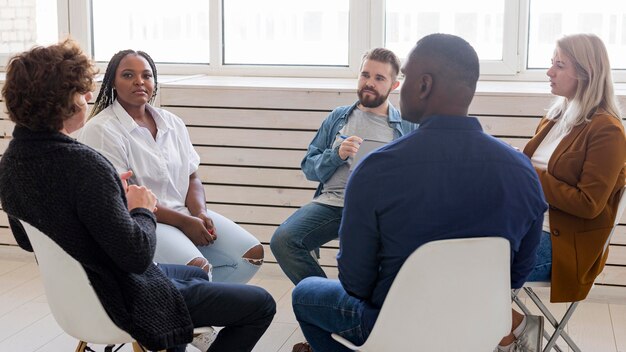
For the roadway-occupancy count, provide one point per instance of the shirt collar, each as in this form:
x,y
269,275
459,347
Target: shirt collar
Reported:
x,y
129,124
451,122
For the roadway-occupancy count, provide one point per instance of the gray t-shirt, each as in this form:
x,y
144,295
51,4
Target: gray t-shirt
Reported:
x,y
362,124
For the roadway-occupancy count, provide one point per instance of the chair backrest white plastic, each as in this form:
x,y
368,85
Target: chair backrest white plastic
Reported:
x,y
621,206
71,298
450,295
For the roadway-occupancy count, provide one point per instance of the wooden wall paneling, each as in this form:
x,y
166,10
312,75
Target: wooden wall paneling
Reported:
x,y
4,143
253,176
510,104
257,195
250,157
612,275
509,125
617,255
252,214
619,236
284,139
6,128
247,118
255,99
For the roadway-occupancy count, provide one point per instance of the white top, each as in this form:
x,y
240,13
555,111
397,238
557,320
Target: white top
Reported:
x,y
163,165
540,160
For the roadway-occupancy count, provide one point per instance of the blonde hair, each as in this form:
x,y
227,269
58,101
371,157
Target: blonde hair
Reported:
x,y
595,86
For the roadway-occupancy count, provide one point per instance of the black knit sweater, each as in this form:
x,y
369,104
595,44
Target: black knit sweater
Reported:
x,y
72,194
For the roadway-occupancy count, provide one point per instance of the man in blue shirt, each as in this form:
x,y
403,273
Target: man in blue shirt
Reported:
x,y
448,179
328,161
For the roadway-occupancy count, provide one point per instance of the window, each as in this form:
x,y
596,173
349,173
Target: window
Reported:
x,y
169,31
25,23
550,20
286,32
480,23
514,39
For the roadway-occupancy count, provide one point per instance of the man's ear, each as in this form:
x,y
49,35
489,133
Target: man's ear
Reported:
x,y
425,85
395,85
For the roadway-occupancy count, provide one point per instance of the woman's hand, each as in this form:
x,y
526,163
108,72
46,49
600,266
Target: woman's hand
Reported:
x,y
140,197
208,224
194,228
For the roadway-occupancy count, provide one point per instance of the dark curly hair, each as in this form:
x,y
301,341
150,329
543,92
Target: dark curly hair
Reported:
x,y
41,84
107,94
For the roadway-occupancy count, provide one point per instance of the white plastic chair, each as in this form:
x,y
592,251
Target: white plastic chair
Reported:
x,y
449,295
72,300
559,326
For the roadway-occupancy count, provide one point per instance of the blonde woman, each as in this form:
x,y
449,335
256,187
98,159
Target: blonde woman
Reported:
x,y
579,151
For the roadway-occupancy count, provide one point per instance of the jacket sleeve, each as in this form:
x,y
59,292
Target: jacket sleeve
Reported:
x,y
603,160
321,160
127,238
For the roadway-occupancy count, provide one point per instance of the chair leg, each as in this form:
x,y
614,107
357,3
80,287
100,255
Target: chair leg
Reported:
x,y
137,347
527,311
560,332
81,346
558,326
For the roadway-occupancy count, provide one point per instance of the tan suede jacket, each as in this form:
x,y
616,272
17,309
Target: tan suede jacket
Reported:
x,y
582,186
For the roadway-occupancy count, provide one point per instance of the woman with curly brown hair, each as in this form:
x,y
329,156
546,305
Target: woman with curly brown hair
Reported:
x,y
73,194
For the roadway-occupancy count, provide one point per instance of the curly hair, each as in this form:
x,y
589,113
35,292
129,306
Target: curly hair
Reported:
x,y
107,94
41,85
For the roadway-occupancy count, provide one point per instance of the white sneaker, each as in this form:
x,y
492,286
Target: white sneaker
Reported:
x,y
203,341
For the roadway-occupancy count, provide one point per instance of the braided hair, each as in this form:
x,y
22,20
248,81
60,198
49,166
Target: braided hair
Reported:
x,y
107,94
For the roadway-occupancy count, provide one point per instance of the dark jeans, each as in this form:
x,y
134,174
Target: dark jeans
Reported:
x,y
244,311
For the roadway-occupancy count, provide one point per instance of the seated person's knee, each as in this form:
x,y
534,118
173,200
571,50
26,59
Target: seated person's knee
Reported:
x,y
201,263
255,255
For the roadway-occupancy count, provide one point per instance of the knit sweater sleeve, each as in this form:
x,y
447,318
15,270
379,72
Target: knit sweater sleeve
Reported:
x,y
127,238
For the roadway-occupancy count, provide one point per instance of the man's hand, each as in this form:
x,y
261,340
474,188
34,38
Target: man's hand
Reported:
x,y
195,229
349,147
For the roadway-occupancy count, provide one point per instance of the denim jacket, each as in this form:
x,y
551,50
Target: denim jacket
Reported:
x,y
321,161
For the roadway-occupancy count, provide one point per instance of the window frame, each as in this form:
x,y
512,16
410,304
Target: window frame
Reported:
x,y
366,30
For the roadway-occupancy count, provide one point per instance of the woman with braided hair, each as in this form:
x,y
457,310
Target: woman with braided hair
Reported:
x,y
156,146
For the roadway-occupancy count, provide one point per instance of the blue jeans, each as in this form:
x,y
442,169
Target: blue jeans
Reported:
x,y
543,265
244,311
323,307
304,231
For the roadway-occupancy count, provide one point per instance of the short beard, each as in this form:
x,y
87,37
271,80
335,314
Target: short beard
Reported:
x,y
377,101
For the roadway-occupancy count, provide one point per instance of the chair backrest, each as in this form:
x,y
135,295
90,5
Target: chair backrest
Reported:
x,y
621,206
450,295
71,298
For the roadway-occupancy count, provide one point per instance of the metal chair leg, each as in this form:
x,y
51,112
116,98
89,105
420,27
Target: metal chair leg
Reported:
x,y
527,311
558,326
